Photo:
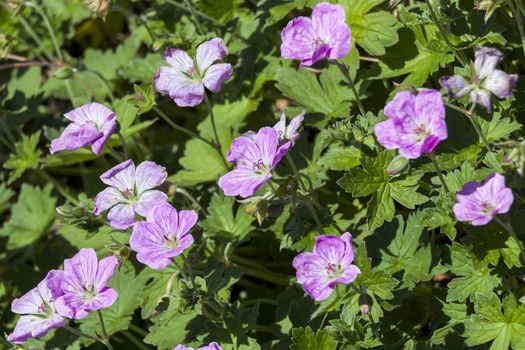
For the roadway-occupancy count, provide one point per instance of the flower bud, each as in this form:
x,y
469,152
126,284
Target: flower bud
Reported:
x,y
258,208
144,99
397,165
365,301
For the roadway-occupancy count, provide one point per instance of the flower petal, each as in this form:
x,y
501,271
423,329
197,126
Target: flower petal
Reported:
x,y
486,60
179,60
106,199
149,175
121,176
216,75
297,40
242,182
149,200
209,52
500,83
329,22
121,216
185,91
74,137
455,85
105,270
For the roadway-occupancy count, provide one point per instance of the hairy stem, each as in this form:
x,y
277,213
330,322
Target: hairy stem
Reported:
x,y
194,16
118,157
470,115
432,157
58,186
215,133
507,226
344,69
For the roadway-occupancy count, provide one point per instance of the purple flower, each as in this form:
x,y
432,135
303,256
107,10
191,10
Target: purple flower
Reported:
x,y
479,203
131,192
255,157
415,125
212,346
163,235
326,34
82,286
92,124
38,314
330,263
486,81
289,133
184,81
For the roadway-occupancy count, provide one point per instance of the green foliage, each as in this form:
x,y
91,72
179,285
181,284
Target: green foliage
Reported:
x,y
26,156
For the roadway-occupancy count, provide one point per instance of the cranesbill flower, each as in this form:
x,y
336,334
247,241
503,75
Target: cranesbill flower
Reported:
x,y
163,235
487,79
480,203
415,125
38,314
329,264
309,40
131,192
92,124
82,286
255,162
184,80
287,133
211,346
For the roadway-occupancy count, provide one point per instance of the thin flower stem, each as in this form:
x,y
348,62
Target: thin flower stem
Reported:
x,y
181,270
215,133
190,273
344,69
49,28
123,142
272,277
259,301
192,199
309,205
470,115
70,92
58,186
519,20
138,344
102,325
438,171
114,154
180,128
194,16
82,334
508,227
105,81
34,36
137,329
196,12
443,33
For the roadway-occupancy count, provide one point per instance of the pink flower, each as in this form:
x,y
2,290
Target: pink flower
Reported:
x,y
487,80
330,263
287,134
326,34
479,203
131,192
212,346
38,314
255,157
184,81
416,123
163,235
82,286
92,124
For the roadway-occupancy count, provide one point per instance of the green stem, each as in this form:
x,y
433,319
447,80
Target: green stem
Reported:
x,y
82,334
49,29
135,341
34,36
137,329
194,16
271,277
470,115
102,325
123,143
114,153
70,92
443,33
58,186
105,81
519,20
309,205
192,199
259,301
438,171
190,273
508,227
215,133
344,69
180,128
196,12
181,270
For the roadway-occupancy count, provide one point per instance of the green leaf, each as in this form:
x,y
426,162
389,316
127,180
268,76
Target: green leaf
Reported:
x,y
25,157
176,325
372,31
497,127
457,314
5,196
224,222
31,216
323,93
306,339
341,158
472,275
489,323
160,285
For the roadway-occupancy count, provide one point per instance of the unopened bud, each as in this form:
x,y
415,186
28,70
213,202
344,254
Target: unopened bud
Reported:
x,y
365,301
257,208
397,165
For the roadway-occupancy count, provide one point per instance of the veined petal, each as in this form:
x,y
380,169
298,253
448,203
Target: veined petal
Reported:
x,y
329,248
106,199
242,182
216,75
455,85
179,86
329,22
149,200
179,60
121,176
209,52
486,60
91,112
74,137
121,216
149,175
500,83
298,39
105,270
